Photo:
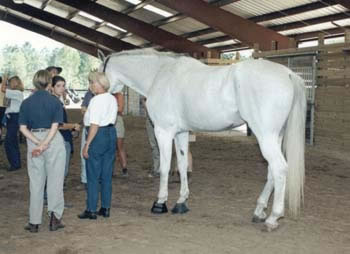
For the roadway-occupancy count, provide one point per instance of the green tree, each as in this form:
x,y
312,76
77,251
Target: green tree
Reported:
x,y
14,62
69,60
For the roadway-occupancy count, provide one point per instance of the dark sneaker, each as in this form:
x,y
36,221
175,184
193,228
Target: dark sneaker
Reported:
x,y
125,172
88,215
55,223
105,212
32,228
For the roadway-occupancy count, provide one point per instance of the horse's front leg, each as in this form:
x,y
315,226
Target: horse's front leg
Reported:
x,y
164,139
181,145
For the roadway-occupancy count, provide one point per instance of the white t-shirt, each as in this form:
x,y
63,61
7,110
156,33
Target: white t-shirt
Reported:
x,y
102,110
16,98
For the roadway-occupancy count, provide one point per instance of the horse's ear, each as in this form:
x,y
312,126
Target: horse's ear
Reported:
x,y
100,55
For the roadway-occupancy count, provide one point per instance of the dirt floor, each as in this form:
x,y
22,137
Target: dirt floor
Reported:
x,y
229,174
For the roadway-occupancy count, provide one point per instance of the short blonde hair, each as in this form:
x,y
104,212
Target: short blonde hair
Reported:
x,y
100,78
42,79
19,84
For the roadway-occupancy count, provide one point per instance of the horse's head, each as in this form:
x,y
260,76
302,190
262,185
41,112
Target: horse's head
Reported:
x,y
113,76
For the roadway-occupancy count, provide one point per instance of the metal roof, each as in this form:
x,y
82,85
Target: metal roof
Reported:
x,y
183,26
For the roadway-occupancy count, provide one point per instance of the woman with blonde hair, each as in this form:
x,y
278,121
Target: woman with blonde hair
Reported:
x,y
13,89
39,118
99,149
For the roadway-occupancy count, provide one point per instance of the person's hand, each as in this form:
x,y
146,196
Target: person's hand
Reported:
x,y
85,151
76,127
39,149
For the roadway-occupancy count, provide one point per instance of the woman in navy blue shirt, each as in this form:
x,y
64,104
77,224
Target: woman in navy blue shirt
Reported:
x,y
58,89
39,117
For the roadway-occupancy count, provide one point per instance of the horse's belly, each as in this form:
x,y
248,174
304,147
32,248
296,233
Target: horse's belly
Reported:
x,y
216,122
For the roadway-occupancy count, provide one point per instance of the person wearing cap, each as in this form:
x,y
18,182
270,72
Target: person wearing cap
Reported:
x,y
54,70
99,149
39,117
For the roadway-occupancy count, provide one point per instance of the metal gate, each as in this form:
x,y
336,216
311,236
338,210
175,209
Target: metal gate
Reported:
x,y
305,66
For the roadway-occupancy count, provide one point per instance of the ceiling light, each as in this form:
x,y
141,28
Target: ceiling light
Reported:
x,y
158,11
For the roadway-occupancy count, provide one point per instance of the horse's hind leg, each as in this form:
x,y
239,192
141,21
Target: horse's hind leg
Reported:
x,y
181,146
164,139
271,150
259,213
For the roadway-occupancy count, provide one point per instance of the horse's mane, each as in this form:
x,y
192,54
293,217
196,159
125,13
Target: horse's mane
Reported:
x,y
148,51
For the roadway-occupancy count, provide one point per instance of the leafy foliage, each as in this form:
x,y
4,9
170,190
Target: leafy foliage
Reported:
x,y
25,60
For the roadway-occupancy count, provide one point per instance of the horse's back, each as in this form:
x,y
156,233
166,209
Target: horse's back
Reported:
x,y
264,92
195,96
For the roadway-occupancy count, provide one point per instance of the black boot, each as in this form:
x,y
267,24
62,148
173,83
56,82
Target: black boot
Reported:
x,y
55,223
87,215
104,212
32,228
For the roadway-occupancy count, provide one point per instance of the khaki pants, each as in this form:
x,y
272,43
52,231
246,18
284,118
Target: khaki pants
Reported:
x,y
49,165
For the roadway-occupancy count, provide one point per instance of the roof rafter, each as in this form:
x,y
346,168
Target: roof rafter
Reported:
x,y
140,28
344,3
271,16
83,31
228,23
313,21
90,49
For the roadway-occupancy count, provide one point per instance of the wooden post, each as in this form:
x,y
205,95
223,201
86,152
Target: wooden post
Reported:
x,y
347,35
274,45
292,43
321,39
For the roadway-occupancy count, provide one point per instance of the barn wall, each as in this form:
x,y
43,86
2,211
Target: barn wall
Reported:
x,y
332,99
332,94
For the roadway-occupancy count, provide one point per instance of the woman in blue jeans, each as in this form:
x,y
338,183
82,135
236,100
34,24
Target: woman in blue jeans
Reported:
x,y
99,150
13,89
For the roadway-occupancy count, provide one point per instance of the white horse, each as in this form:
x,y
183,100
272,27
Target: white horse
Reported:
x,y
184,94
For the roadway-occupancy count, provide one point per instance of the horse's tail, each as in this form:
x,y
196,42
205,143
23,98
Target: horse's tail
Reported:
x,y
293,146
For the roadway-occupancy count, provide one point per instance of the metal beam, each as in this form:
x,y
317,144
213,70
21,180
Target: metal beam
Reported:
x,y
140,28
313,21
271,16
344,3
57,36
293,11
314,35
90,34
231,24
137,6
214,40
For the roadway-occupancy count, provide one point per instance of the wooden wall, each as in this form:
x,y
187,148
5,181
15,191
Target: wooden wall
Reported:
x,y
332,94
332,99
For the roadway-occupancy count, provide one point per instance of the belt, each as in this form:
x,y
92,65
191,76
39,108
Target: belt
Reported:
x,y
109,125
39,130
105,126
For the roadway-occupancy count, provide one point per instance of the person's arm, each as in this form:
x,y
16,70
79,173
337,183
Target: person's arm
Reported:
x,y
91,135
4,84
43,145
83,110
120,101
28,134
69,126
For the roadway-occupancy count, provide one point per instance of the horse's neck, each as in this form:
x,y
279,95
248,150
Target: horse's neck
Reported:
x,y
139,71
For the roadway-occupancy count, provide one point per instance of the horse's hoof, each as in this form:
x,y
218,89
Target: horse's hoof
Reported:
x,y
269,227
159,208
256,219
180,208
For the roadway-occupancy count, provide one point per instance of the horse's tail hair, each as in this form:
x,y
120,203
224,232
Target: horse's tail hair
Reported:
x,y
294,147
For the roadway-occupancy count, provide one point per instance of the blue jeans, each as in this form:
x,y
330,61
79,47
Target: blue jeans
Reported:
x,y
11,141
99,167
